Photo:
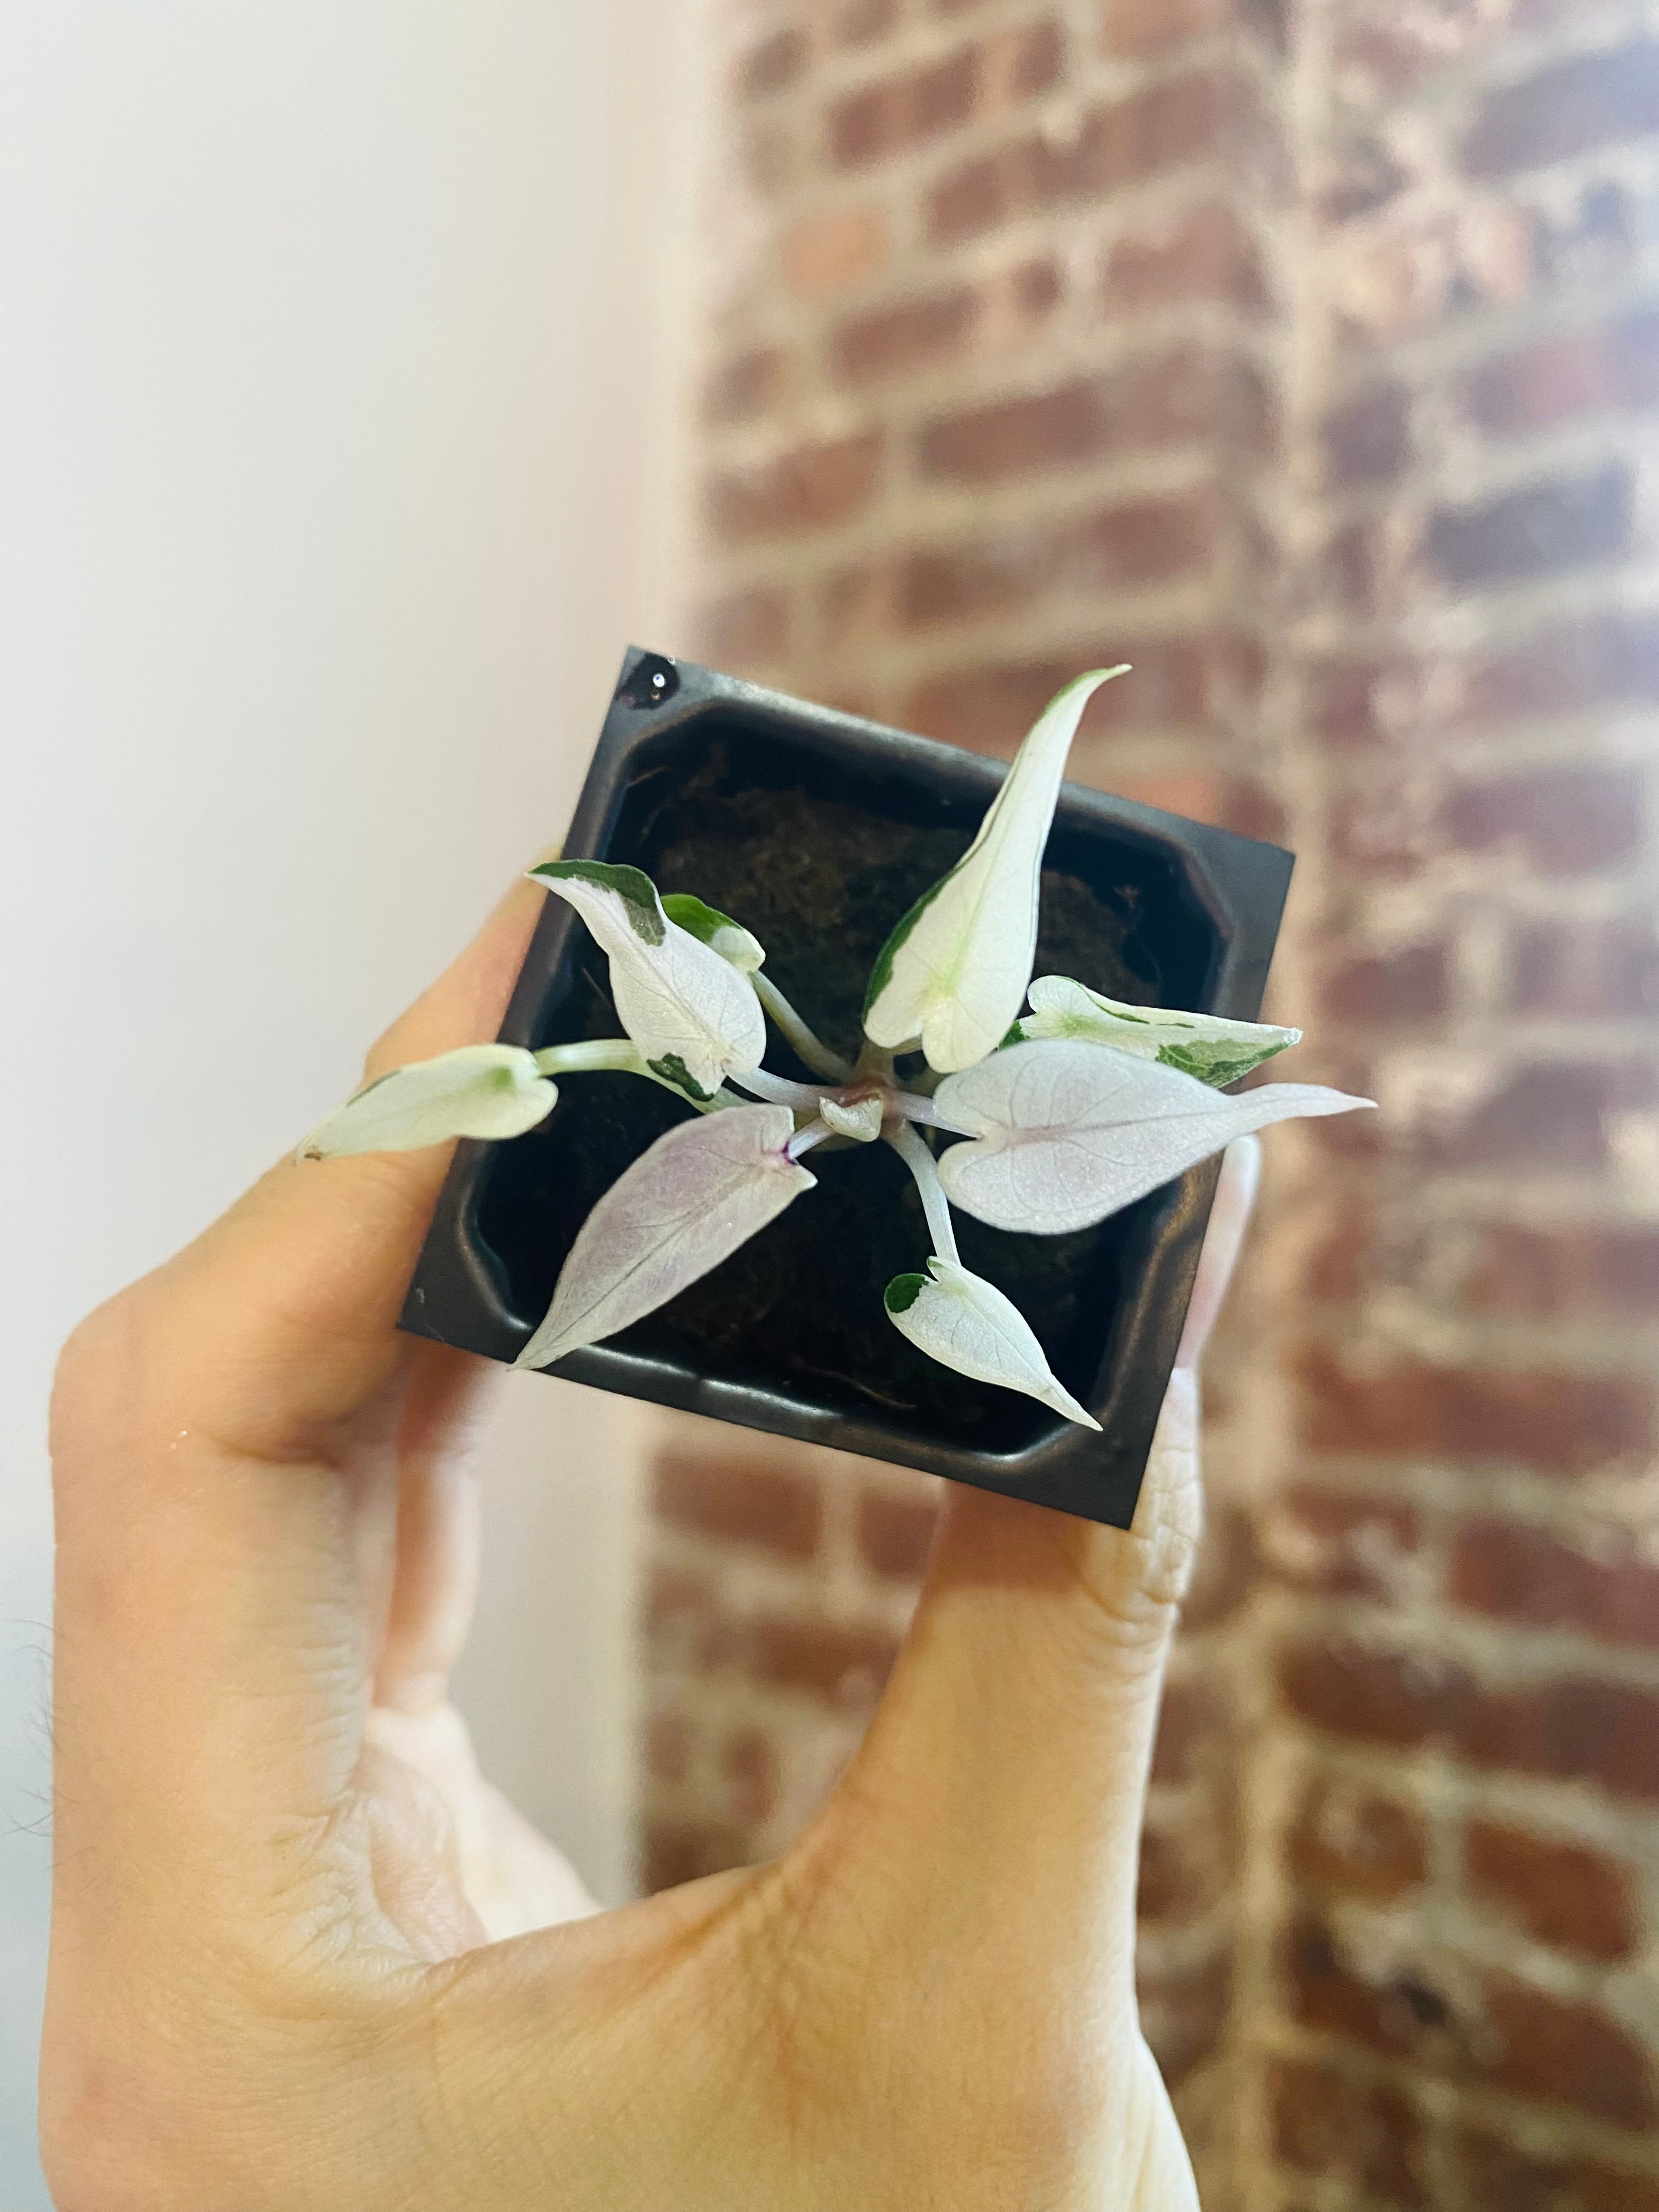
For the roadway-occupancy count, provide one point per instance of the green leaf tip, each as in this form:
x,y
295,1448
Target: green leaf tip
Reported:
x,y
632,885
903,1293
694,914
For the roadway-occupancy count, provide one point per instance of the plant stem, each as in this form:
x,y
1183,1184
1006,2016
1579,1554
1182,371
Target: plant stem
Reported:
x,y
592,1055
919,1161
916,1109
813,1051
619,1056
803,1139
805,1097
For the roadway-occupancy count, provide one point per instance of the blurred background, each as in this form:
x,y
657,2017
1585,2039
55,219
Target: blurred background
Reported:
x,y
372,373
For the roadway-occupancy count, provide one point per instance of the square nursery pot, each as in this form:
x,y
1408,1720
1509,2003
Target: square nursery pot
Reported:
x,y
817,831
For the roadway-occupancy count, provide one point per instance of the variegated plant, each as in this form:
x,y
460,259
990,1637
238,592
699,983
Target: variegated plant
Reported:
x,y
1069,1105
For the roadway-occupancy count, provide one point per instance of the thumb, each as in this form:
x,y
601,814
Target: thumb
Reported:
x,y
1020,1721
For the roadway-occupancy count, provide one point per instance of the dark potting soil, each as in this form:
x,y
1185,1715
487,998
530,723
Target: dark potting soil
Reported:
x,y
821,879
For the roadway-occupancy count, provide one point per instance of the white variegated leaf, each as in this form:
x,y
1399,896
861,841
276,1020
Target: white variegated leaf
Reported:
x,y
480,1090
954,972
1217,1052
693,1015
710,926
966,1323
1065,1133
861,1121
701,1191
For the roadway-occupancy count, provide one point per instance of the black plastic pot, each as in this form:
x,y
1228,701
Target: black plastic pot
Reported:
x,y
817,831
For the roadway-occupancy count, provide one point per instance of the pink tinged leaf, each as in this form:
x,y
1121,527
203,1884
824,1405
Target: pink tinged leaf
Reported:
x,y
490,1090
968,1324
1066,1133
702,1190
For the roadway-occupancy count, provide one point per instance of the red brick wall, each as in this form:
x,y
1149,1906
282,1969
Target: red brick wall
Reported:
x,y
1309,358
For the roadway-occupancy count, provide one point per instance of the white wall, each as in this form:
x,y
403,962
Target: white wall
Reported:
x,y
336,467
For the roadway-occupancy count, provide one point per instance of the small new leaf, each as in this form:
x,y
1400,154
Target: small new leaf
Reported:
x,y
861,1121
480,1090
954,972
1215,1051
677,998
717,930
1064,1134
966,1323
683,1206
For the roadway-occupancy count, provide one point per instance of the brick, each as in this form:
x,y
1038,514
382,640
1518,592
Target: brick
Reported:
x,y
668,1747
1358,1841
861,22
1193,1729
1225,1574
1118,549
895,1534
1369,440
1186,1864
1564,821
1339,1544
771,1506
773,66
1328,2122
1184,2011
1569,668
845,1664
1164,127
1505,2034
809,488
1542,1274
886,117
1411,983
1372,1692
686,1626
1177,682
749,1774
1137,27
1353,704
1596,372
684,1850
1571,107
1179,396
1545,1114
1403,2013
1586,971
745,385
1573,1728
1555,2052
824,254
749,628
1562,1893
1540,530
1510,1571
1204,253
1557,1424
1559,822
1493,2174
909,335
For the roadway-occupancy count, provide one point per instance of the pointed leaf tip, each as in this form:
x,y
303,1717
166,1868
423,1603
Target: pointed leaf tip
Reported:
x,y
954,972
486,1091
1065,1133
1217,1051
967,1324
680,999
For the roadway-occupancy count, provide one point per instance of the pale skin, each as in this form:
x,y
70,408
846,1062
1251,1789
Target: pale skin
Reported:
x,y
271,1986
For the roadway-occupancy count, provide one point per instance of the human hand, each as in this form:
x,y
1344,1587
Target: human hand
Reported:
x,y
272,1982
